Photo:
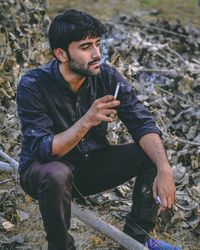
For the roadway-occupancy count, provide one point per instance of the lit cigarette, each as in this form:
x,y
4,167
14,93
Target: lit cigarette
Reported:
x,y
117,90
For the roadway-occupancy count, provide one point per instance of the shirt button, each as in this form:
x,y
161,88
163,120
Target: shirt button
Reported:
x,y
77,103
83,140
86,155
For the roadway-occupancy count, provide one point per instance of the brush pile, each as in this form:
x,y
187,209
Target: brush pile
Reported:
x,y
162,61
23,26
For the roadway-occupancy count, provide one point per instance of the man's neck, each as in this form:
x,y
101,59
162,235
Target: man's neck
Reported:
x,y
75,81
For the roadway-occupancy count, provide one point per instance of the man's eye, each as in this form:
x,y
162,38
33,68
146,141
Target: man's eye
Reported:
x,y
85,47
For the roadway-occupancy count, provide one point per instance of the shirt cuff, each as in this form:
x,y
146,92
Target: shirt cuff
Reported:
x,y
45,148
137,136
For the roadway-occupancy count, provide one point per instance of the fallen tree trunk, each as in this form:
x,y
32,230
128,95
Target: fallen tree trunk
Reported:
x,y
12,163
89,219
5,167
106,229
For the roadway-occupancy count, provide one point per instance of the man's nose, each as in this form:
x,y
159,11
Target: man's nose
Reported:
x,y
96,52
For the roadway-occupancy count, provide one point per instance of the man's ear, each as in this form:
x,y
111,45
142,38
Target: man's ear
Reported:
x,y
60,54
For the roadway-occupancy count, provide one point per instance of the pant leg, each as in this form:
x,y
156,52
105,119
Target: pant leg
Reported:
x,y
51,185
144,209
113,166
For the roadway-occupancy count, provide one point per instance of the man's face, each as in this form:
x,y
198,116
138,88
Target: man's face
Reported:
x,y
84,57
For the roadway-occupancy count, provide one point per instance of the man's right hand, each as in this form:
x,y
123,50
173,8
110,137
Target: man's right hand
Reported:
x,y
101,110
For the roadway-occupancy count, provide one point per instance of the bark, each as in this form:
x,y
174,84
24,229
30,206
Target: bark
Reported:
x,y
110,231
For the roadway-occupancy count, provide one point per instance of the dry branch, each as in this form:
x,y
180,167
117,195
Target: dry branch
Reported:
x,y
106,229
5,167
5,224
151,27
12,163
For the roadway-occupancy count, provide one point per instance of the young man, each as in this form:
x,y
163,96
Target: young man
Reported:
x,y
64,108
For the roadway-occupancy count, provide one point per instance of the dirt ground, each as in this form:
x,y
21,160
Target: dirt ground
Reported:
x,y
106,10
86,238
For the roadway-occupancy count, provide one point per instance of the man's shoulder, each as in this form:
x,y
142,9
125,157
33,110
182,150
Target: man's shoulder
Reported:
x,y
107,73
37,74
107,68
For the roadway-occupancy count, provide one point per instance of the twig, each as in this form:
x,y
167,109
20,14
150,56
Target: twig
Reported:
x,y
2,64
6,54
181,140
164,58
14,164
181,207
172,94
196,61
167,72
6,225
172,137
4,129
28,35
176,53
8,180
155,28
46,4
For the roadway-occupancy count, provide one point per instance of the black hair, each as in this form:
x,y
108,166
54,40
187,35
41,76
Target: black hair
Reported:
x,y
73,25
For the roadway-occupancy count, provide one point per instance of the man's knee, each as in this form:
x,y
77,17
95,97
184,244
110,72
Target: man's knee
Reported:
x,y
58,174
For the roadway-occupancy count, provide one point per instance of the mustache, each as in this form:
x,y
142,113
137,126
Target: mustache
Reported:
x,y
94,61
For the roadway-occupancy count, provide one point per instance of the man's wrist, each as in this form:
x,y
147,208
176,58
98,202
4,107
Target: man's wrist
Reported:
x,y
86,123
164,169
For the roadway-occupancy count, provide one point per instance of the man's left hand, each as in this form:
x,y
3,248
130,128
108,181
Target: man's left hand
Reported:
x,y
164,188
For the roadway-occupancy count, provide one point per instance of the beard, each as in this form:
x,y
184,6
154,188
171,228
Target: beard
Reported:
x,y
82,69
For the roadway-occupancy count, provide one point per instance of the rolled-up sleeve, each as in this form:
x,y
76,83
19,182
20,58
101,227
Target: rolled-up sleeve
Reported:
x,y
37,126
137,117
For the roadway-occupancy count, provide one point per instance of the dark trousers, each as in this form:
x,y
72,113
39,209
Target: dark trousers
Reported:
x,y
51,184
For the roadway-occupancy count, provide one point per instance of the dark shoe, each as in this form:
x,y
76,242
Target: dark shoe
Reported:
x,y
68,246
52,246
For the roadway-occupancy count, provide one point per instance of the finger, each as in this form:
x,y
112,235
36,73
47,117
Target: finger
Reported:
x,y
175,196
110,112
163,202
106,98
104,118
111,104
161,209
169,202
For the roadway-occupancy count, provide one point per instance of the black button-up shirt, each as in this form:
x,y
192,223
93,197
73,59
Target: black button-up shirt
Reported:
x,y
47,106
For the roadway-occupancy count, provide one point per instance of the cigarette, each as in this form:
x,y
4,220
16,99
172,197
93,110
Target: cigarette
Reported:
x,y
117,90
